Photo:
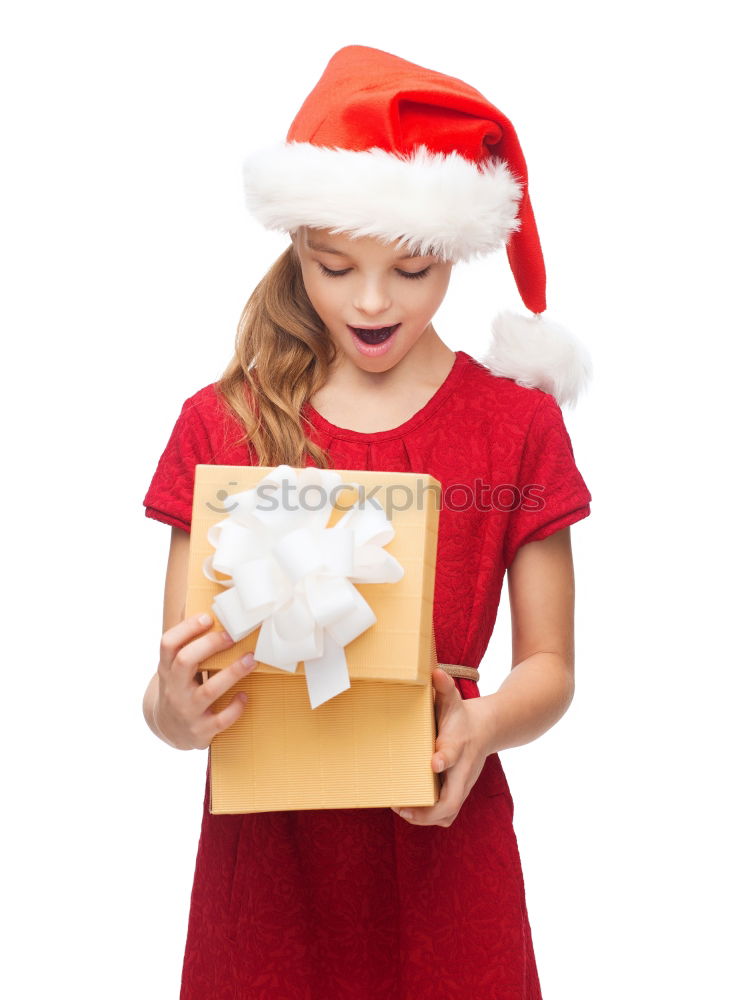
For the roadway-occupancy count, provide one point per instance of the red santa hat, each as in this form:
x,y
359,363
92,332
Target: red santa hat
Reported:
x,y
382,147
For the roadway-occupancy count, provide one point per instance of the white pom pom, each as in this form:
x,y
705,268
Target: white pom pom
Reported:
x,y
539,354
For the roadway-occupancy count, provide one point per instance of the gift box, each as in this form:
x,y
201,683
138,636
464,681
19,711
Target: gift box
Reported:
x,y
329,575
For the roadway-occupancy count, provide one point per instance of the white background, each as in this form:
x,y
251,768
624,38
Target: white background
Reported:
x,y
127,257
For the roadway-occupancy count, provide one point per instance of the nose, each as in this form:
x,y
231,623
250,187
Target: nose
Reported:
x,y
372,297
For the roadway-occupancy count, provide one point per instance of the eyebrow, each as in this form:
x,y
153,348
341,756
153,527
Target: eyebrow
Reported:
x,y
322,248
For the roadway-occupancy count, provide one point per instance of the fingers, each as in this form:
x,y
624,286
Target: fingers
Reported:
x,y
185,646
186,718
198,733
403,813
175,638
227,716
444,683
447,753
189,660
223,680
443,813
189,713
453,789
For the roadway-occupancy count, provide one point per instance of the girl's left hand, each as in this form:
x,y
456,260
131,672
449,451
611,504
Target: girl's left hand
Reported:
x,y
461,749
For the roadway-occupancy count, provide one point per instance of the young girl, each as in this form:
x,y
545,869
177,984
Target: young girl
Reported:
x,y
390,173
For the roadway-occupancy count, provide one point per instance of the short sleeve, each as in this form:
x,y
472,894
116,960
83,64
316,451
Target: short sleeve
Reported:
x,y
551,493
170,495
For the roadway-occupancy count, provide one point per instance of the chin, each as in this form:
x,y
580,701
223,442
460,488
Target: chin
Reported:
x,y
375,364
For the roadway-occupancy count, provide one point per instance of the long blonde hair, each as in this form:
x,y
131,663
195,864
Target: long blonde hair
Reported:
x,y
282,357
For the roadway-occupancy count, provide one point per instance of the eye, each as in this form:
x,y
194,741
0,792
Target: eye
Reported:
x,y
410,275
329,272
413,275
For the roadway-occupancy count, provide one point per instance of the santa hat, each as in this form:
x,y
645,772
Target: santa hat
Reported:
x,y
382,147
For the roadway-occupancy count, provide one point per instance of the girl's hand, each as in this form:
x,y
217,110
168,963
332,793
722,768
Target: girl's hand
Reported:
x,y
460,753
182,708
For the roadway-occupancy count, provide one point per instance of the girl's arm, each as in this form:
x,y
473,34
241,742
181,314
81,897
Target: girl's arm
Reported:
x,y
176,706
539,688
531,699
175,590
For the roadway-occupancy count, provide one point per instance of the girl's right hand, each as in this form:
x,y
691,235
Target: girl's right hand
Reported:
x,y
182,712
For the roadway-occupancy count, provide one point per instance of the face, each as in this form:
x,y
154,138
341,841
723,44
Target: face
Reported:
x,y
375,300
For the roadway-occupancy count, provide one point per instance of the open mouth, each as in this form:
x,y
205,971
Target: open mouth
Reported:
x,y
375,336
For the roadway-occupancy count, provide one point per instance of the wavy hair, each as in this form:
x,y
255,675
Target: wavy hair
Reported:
x,y
281,359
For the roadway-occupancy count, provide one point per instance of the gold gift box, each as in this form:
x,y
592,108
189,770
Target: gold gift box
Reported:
x,y
372,744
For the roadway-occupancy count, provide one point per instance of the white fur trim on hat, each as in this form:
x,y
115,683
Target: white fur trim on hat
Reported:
x,y
428,202
539,354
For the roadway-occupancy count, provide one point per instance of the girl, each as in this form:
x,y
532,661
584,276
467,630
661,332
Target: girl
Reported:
x,y
390,173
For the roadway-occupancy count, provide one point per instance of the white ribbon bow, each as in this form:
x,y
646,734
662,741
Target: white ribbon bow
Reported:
x,y
295,575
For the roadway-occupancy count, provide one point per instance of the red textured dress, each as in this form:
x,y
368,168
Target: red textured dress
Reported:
x,y
359,904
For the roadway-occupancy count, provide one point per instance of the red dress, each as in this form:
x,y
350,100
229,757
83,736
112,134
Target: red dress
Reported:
x,y
359,904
